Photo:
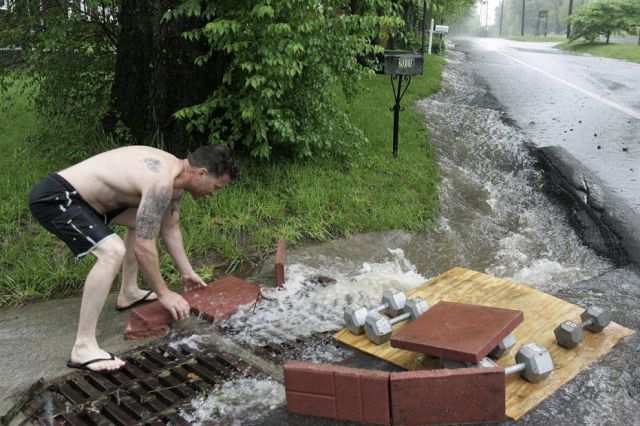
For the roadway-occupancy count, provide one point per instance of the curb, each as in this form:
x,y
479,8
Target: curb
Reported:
x,y
602,220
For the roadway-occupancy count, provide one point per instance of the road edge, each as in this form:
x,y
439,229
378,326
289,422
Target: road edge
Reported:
x,y
601,219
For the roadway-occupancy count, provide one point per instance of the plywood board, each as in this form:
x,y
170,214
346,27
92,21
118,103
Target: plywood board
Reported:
x,y
542,313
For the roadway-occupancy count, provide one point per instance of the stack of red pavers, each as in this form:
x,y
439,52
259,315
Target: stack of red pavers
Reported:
x,y
454,331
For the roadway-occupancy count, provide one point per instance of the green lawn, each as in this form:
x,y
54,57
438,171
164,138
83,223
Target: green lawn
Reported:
x,y
301,201
539,39
628,52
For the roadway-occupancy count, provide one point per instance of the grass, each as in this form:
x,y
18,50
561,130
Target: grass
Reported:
x,y
300,201
627,52
538,39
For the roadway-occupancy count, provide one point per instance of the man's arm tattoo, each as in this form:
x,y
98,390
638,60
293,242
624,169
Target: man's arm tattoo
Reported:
x,y
153,164
149,217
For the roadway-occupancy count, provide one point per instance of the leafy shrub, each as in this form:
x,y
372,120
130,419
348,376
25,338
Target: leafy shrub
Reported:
x,y
286,56
605,17
65,52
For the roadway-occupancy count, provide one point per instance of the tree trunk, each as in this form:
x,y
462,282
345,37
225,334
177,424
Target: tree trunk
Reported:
x,y
608,35
156,76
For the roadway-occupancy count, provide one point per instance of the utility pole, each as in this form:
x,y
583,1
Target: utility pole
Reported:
x,y
501,10
522,28
568,24
486,20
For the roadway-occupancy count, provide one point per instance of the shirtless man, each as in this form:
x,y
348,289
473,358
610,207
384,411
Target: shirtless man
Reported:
x,y
139,187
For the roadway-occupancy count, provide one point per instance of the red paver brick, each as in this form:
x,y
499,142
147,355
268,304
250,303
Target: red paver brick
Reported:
x,y
216,302
135,330
376,400
308,377
458,331
221,298
348,396
151,315
337,392
465,395
311,405
280,259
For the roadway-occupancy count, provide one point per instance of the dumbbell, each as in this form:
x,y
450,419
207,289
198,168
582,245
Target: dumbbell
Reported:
x,y
569,334
534,363
379,328
503,347
393,301
498,352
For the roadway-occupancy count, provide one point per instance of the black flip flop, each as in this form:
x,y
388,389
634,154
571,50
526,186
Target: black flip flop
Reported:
x,y
85,365
138,302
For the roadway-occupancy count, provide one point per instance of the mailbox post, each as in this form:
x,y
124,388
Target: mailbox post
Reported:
x,y
400,66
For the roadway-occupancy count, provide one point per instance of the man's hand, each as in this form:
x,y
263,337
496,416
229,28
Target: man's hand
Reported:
x,y
175,304
192,281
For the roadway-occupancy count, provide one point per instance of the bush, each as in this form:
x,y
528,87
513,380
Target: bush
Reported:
x,y
67,52
605,17
286,56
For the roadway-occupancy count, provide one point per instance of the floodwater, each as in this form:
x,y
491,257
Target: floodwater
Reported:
x,y
494,218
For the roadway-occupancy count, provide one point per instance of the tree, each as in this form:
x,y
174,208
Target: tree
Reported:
x,y
286,60
605,17
66,51
155,75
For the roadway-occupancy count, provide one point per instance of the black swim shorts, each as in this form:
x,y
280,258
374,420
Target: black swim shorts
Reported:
x,y
61,210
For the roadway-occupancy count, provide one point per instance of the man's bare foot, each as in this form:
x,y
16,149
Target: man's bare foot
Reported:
x,y
93,359
130,298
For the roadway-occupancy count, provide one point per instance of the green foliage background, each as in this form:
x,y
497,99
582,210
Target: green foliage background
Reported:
x,y
605,17
286,56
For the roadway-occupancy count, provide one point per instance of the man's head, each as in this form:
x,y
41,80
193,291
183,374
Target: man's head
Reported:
x,y
213,166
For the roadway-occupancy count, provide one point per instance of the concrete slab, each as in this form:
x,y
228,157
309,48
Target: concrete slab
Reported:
x,y
458,331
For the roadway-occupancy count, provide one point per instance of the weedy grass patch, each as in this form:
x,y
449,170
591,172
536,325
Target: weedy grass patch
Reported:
x,y
312,200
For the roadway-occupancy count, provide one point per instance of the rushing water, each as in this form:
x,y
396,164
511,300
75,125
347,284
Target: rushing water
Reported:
x,y
494,218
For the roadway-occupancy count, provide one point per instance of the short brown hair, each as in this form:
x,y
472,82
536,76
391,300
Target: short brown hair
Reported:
x,y
217,159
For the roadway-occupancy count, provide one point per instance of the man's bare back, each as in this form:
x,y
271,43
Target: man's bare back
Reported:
x,y
117,178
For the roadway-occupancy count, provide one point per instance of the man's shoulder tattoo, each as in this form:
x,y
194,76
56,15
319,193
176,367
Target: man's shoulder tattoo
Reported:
x,y
153,164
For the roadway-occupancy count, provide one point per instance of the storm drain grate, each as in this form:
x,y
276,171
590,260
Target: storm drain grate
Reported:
x,y
153,386
293,349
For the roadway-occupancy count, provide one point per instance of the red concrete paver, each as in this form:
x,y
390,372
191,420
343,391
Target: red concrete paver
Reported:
x,y
280,259
337,392
465,395
151,315
458,331
307,404
348,396
221,298
376,398
135,330
216,302
309,377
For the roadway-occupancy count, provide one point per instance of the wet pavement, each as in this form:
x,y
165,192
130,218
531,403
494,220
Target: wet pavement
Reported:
x,y
494,218
585,104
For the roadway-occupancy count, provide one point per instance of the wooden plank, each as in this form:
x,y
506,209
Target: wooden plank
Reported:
x,y
542,313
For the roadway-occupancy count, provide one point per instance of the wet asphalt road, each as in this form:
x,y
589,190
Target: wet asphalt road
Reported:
x,y
590,106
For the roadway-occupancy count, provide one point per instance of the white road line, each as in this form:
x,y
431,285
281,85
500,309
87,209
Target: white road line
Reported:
x,y
620,108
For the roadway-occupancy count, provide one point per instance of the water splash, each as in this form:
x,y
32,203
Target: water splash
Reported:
x,y
494,217
192,342
236,402
304,306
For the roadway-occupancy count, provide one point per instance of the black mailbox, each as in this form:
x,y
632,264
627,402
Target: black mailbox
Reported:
x,y
403,63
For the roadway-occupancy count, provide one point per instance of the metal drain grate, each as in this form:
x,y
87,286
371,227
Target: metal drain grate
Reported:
x,y
150,389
